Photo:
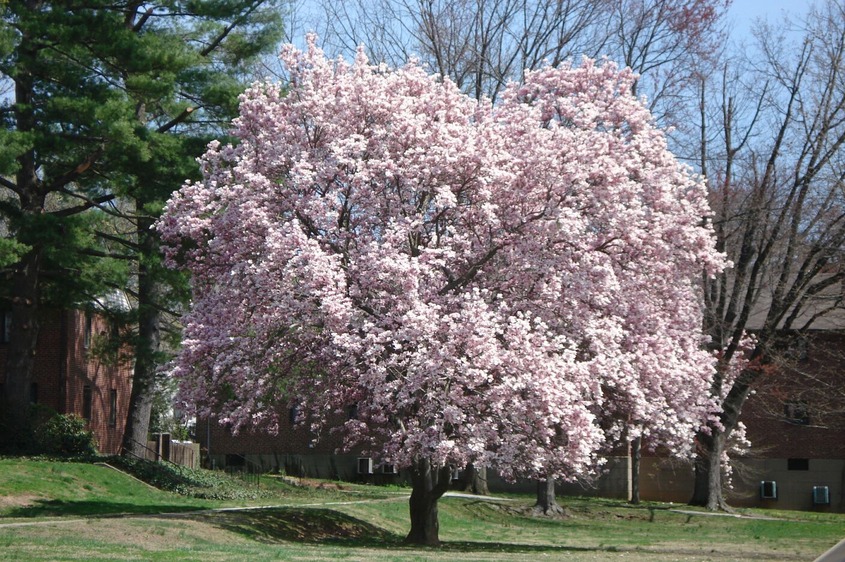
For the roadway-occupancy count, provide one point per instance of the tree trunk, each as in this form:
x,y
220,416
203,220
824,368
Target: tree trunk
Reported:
x,y
429,483
25,293
20,356
546,501
475,480
146,353
636,455
707,491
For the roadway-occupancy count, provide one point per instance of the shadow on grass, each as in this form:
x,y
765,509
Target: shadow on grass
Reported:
x,y
300,525
63,508
328,527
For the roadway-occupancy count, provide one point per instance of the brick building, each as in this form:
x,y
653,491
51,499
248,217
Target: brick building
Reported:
x,y
795,421
70,378
292,450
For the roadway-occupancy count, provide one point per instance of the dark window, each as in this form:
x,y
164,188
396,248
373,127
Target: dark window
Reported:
x,y
5,326
797,464
86,402
86,334
33,393
113,408
293,413
353,412
796,412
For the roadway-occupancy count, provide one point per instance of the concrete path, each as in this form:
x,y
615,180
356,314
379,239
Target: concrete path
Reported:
x,y
400,496
835,554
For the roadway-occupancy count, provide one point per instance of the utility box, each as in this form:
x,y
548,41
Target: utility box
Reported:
x,y
768,490
821,495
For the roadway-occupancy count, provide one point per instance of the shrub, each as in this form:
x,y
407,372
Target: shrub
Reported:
x,y
65,435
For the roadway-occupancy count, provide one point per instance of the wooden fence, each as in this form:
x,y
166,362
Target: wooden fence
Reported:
x,y
163,448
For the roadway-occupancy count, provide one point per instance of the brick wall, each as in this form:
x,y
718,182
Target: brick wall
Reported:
x,y
65,365
292,439
814,378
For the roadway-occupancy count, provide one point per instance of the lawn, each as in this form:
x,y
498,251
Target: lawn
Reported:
x,y
74,511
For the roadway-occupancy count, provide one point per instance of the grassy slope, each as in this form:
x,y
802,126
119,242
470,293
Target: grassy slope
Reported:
x,y
324,524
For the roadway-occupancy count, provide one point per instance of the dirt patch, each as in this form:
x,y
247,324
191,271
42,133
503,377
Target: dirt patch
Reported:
x,y
313,483
20,500
147,533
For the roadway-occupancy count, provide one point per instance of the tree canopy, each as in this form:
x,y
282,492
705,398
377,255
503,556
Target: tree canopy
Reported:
x,y
480,282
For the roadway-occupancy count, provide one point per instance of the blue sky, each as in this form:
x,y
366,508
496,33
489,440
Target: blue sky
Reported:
x,y
744,12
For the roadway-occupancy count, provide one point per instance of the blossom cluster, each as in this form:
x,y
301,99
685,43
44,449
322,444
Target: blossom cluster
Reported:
x,y
512,285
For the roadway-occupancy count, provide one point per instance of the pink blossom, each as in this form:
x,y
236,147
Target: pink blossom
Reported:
x,y
514,286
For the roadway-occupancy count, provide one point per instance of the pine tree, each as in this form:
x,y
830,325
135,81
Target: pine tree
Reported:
x,y
109,103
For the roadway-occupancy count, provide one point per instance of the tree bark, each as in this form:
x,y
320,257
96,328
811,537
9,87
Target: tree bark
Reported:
x,y
146,352
636,456
546,500
20,359
707,490
429,483
24,330
475,480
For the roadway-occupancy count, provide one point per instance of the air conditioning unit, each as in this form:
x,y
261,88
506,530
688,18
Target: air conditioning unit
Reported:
x,y
821,495
365,465
768,490
389,469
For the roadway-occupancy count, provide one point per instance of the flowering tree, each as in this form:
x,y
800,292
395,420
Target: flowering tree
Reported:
x,y
480,282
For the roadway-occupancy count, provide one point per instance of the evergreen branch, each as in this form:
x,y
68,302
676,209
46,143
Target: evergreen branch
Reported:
x,y
122,241
176,120
228,29
101,254
9,184
70,176
89,203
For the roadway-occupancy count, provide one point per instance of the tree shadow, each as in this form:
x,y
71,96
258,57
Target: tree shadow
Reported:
x,y
274,525
328,527
64,508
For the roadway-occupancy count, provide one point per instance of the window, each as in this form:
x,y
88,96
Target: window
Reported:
x,y
796,412
352,412
86,402
797,464
113,408
5,326
86,335
293,414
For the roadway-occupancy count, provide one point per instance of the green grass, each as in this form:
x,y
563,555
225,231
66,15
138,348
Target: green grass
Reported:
x,y
34,488
68,513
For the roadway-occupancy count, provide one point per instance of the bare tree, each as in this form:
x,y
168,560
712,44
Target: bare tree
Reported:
x,y
772,152
669,43
479,44
482,44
